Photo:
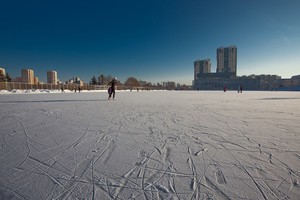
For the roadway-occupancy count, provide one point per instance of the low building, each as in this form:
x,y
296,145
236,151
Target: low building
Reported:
x,y
169,85
292,84
75,80
17,80
217,81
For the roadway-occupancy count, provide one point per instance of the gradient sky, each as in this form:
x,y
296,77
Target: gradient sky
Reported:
x,y
152,40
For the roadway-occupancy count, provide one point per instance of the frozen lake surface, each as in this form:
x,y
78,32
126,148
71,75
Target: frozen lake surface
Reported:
x,y
150,145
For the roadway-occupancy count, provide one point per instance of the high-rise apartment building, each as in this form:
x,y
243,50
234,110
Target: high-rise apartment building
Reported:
x,y
36,80
52,77
201,67
227,60
2,71
27,76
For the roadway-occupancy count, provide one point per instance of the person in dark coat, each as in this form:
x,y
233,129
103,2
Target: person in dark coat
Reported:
x,y
113,87
241,88
225,88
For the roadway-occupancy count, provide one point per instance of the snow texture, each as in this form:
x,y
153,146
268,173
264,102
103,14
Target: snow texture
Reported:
x,y
150,145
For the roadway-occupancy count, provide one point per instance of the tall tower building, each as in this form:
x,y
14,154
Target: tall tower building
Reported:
x,y
36,80
27,76
201,67
2,71
52,77
227,60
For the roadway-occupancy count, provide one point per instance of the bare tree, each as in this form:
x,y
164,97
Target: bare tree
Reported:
x,y
93,81
132,82
2,77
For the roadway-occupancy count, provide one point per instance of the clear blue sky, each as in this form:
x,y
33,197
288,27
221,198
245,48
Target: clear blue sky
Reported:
x,y
153,40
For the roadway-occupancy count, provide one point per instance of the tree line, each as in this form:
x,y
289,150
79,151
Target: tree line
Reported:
x,y
130,82
5,77
134,83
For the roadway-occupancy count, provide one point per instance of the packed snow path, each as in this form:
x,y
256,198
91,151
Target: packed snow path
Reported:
x,y
150,145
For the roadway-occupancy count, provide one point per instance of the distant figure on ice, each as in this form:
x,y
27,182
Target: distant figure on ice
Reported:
x,y
240,89
225,88
62,89
79,89
112,88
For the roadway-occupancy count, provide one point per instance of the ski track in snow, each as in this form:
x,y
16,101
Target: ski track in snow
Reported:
x,y
150,145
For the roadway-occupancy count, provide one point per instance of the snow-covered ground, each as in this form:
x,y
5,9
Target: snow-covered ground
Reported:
x,y
150,145
43,91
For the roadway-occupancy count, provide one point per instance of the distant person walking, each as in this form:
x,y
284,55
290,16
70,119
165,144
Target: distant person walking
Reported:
x,y
241,88
112,90
225,88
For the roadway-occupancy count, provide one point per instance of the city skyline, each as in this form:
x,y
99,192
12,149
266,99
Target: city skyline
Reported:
x,y
151,40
